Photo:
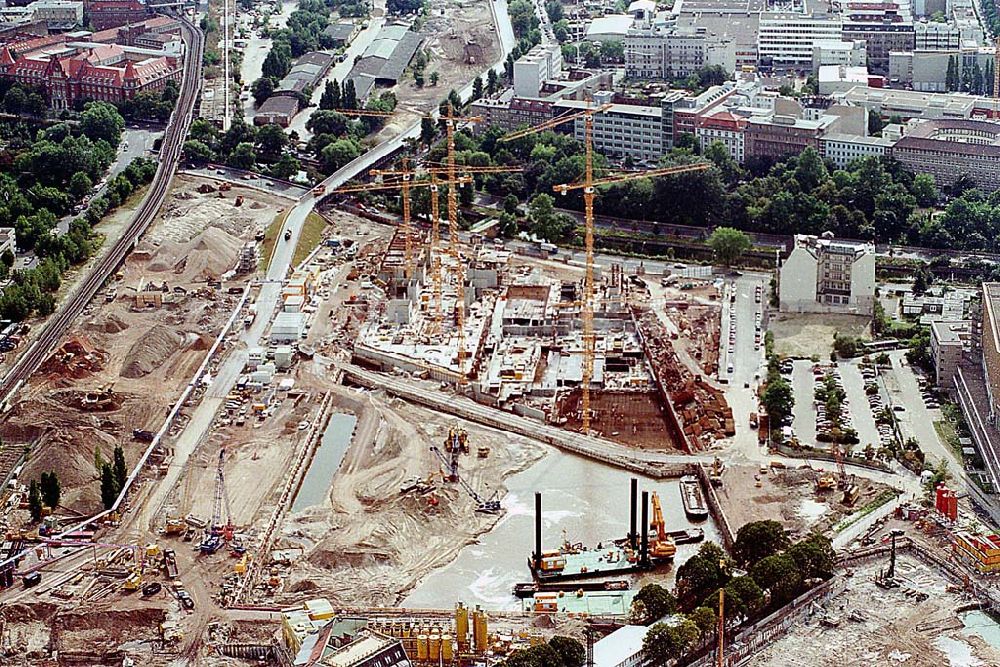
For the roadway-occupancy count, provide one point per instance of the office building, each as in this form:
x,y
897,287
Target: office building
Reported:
x,y
725,128
623,131
664,51
842,149
788,40
949,149
534,68
58,14
936,36
839,52
824,275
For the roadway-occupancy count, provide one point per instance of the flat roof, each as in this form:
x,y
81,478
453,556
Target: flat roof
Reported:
x,y
950,332
619,646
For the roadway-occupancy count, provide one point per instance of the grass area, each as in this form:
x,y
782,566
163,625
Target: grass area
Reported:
x,y
948,435
312,234
880,499
270,238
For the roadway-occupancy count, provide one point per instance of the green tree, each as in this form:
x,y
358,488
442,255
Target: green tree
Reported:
x,y
271,142
198,151
744,598
758,540
571,652
427,131
98,460
436,77
243,156
492,82
339,153
262,89
108,491
477,88
34,501
286,167
350,95
120,470
924,189
50,489
700,575
728,167
331,96
814,556
705,619
80,185
665,643
780,575
327,122
778,401
655,602
101,120
951,77
729,244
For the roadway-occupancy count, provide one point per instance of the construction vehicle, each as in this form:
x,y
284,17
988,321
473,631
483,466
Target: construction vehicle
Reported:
x,y
134,580
589,187
288,234
239,200
319,190
170,563
887,578
151,589
489,505
174,526
241,565
662,546
219,533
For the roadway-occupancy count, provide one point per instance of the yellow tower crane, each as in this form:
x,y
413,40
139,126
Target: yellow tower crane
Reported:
x,y
435,170
405,185
451,124
405,176
363,112
996,79
589,185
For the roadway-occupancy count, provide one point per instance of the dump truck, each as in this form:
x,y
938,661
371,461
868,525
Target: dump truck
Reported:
x,y
170,563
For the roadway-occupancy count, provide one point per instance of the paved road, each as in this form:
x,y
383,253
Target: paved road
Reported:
x,y
256,51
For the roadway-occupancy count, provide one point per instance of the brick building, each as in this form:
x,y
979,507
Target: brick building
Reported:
x,y
104,14
107,73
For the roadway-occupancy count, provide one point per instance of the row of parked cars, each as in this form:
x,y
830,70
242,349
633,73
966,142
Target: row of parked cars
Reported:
x,y
826,423
877,406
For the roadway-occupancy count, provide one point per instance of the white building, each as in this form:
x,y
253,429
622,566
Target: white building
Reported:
x,y
789,39
822,275
664,51
840,78
622,648
541,63
841,149
624,130
288,327
8,240
948,342
839,52
935,36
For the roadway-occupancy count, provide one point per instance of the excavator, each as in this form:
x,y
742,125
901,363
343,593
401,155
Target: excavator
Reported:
x,y
662,546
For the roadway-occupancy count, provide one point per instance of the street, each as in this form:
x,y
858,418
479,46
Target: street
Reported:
x,y
249,179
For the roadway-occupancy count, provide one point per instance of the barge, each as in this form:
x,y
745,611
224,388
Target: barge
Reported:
x,y
600,603
693,498
637,553
529,588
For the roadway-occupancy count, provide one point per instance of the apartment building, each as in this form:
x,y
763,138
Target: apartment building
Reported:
x,y
778,136
823,275
788,40
949,341
510,114
949,149
58,14
104,14
881,38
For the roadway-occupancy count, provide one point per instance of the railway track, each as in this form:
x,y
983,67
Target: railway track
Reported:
x,y
170,151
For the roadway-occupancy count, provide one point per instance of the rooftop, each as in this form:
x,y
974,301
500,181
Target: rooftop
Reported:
x,y
619,646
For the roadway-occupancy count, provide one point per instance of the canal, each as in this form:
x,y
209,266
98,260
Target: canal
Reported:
x,y
332,446
582,501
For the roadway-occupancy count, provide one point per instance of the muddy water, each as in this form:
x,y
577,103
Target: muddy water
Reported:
x,y
332,445
582,501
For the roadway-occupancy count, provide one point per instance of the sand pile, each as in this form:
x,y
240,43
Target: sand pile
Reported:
x,y
107,323
150,351
207,256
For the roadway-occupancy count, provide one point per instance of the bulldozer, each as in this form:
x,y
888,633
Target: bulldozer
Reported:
x,y
174,526
134,580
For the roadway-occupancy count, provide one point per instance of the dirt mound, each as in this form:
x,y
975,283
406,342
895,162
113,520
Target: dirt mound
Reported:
x,y
207,256
20,612
109,323
74,358
149,352
202,342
